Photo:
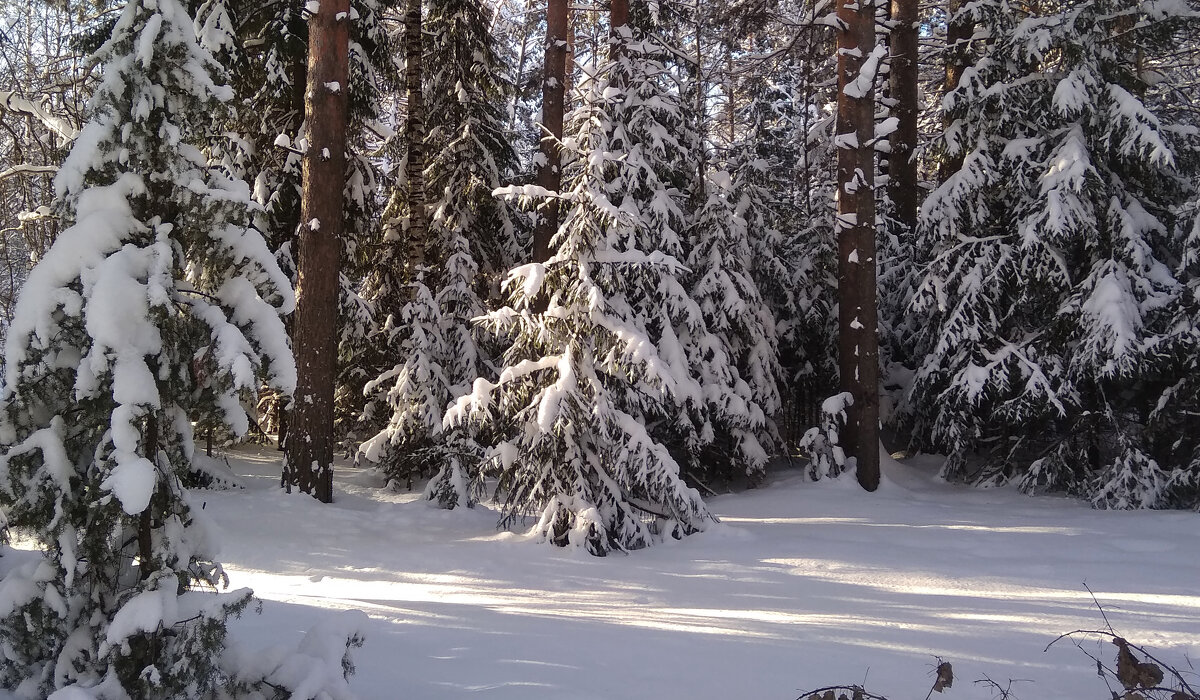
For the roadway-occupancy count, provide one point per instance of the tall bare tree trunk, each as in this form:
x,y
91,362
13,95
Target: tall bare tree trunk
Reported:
x,y
858,346
618,15
619,31
958,33
549,174
569,69
414,135
309,461
698,106
902,166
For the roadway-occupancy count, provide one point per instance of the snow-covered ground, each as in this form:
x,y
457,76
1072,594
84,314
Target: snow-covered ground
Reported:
x,y
803,585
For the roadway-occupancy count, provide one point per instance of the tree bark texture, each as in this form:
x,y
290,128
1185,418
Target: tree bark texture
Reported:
x,y
573,31
549,174
958,34
902,166
698,108
309,461
618,15
858,348
414,136
619,30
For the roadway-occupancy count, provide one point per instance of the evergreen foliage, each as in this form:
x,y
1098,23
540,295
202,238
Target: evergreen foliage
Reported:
x,y
740,368
156,308
374,74
787,164
584,369
1056,277
725,361
471,239
645,120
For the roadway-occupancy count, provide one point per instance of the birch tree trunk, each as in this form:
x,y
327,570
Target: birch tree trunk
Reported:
x,y
309,454
858,347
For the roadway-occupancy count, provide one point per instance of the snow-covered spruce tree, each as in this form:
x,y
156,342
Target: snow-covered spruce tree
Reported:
x,y
573,455
396,283
269,81
711,402
790,113
416,388
772,256
442,354
472,148
270,84
471,230
157,306
1177,357
1051,293
762,201
740,366
264,133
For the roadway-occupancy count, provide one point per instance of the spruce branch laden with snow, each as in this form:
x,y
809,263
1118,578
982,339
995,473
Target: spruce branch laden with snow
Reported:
x,y
717,421
158,307
1055,297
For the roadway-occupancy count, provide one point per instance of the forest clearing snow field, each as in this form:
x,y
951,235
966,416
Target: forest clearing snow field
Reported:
x,y
802,585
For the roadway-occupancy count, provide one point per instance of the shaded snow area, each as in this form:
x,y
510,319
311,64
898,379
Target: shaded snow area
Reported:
x,y
803,585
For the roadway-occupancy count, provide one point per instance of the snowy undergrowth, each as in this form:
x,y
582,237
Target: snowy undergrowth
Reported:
x,y
802,585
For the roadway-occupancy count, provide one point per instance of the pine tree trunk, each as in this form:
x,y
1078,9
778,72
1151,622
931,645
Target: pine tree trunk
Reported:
x,y
698,105
902,166
309,462
549,174
414,135
619,31
958,33
569,59
618,14
858,346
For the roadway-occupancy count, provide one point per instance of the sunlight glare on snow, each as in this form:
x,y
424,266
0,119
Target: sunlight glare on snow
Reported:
x,y
800,585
